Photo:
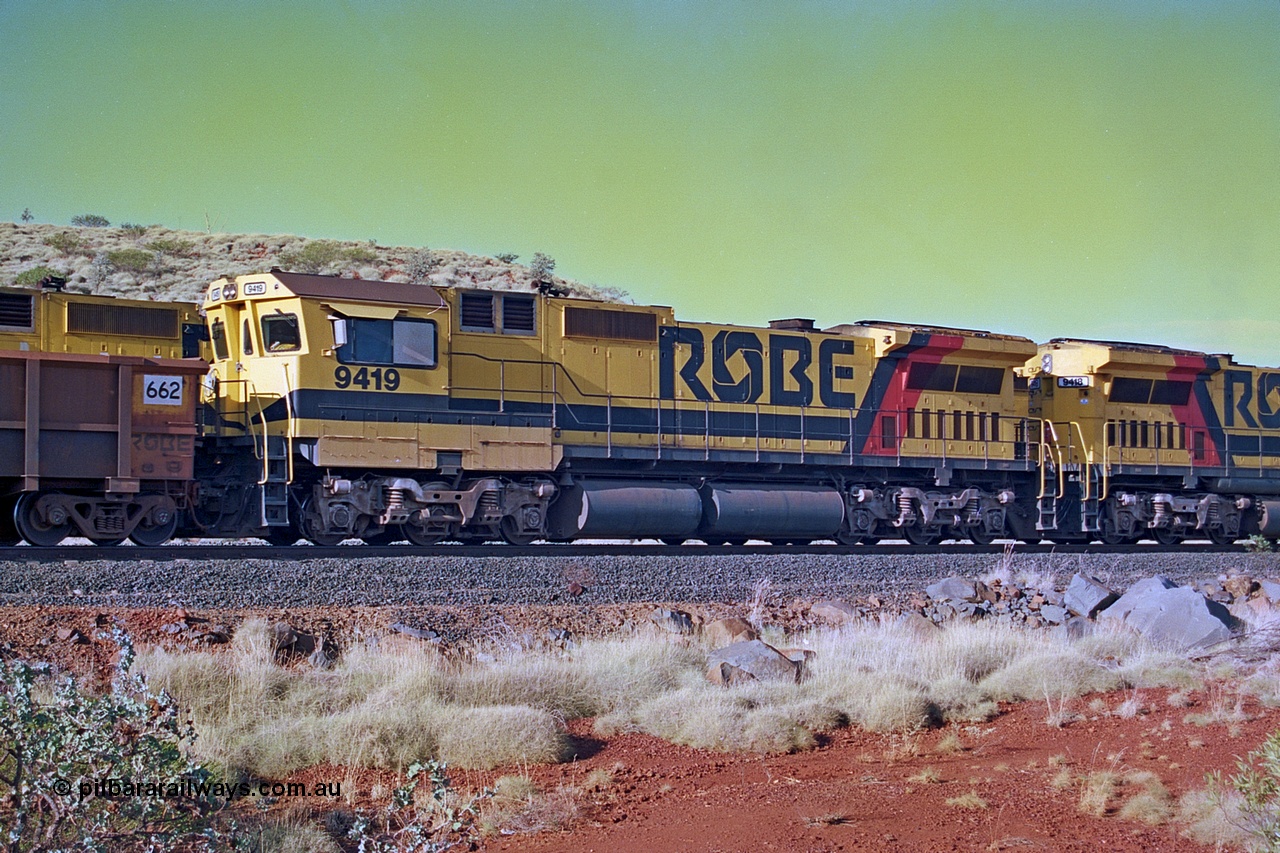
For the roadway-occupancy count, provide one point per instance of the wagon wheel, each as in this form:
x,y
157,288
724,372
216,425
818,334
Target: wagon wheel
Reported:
x,y
31,527
8,533
156,527
281,537
108,541
671,540
1166,535
390,535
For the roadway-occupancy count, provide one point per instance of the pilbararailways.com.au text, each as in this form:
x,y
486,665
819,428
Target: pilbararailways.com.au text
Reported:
x,y
192,789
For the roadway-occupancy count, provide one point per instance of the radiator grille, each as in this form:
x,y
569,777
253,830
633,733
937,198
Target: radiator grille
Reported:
x,y
16,310
128,320
614,325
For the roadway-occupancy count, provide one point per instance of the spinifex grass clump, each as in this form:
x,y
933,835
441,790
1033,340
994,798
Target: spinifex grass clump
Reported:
x,y
392,707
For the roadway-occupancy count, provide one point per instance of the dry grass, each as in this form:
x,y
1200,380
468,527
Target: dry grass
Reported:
x,y
926,776
381,707
1152,804
970,800
1097,790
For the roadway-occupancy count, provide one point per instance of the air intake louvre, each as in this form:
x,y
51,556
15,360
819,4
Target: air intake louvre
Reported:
x,y
476,311
517,313
616,325
17,310
128,320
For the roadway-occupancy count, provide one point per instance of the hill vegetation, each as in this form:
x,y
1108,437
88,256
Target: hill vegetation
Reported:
x,y
154,262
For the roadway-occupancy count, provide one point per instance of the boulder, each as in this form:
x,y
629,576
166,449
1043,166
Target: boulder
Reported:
x,y
1239,586
1270,591
1085,596
1177,617
917,624
1120,609
416,633
953,589
749,660
724,632
834,612
675,621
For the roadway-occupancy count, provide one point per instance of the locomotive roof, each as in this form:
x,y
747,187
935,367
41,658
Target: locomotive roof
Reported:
x,y
918,327
356,289
1128,346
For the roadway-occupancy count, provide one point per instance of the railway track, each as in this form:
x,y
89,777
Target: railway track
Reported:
x,y
224,552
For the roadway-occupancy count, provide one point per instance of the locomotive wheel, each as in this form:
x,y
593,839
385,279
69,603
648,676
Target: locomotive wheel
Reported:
x,y
8,533
308,528
979,536
108,543
1218,536
27,522
919,536
1166,536
512,533
281,537
1109,535
149,534
671,540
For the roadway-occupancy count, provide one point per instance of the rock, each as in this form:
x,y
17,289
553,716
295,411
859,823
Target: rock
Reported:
x,y
71,635
1075,628
576,589
1177,617
834,612
1270,590
953,589
675,621
725,632
173,627
1054,614
917,624
1239,586
1085,596
322,657
1120,609
559,635
752,659
289,641
416,633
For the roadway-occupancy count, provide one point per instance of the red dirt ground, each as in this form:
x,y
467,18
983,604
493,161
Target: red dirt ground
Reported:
x,y
853,792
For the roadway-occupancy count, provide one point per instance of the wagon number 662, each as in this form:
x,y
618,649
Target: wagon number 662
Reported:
x,y
380,379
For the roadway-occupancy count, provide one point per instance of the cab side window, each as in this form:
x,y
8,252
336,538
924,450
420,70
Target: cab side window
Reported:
x,y
218,335
281,333
402,343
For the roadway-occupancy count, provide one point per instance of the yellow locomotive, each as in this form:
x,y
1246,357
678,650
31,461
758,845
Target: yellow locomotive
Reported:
x,y
1149,441
346,408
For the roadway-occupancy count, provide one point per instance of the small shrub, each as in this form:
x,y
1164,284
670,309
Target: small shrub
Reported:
x,y
26,214
421,265
313,257
132,229
1253,792
506,257
65,242
360,255
131,260
33,276
1096,792
57,741
1153,805
541,268
90,220
171,246
1259,544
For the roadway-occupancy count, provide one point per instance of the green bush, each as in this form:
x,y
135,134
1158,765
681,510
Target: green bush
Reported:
x,y
313,257
541,267
65,242
90,220
361,255
33,276
58,743
1257,782
132,229
171,246
506,257
131,260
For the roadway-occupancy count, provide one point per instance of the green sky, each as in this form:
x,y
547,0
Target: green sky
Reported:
x,y
1107,169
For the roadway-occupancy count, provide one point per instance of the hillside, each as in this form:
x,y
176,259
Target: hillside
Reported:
x,y
154,262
